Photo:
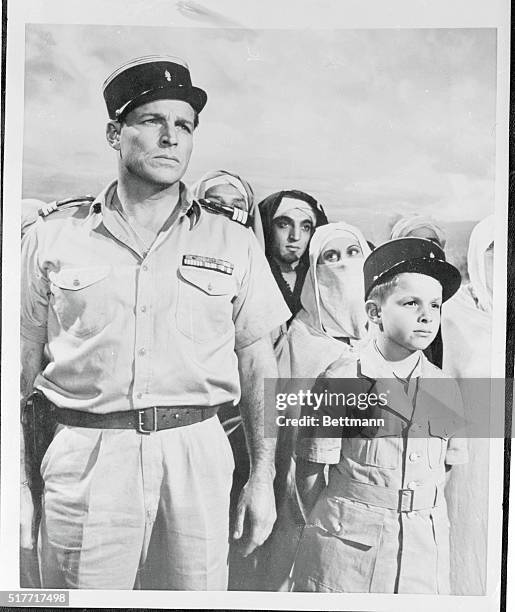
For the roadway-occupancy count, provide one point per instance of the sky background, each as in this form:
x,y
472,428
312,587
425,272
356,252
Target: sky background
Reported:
x,y
373,123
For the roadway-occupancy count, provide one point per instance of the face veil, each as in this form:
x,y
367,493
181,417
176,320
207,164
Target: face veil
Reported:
x,y
333,293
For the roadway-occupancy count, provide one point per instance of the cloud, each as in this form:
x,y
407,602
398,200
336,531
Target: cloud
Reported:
x,y
370,120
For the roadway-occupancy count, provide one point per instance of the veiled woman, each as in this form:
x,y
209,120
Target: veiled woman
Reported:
x,y
467,355
330,323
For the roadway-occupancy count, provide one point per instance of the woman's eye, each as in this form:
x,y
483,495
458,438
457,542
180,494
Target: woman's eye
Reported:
x,y
436,306
410,303
354,251
332,256
307,227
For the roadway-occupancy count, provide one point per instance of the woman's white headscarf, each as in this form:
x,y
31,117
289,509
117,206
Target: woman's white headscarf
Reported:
x,y
332,308
408,224
223,177
333,293
481,238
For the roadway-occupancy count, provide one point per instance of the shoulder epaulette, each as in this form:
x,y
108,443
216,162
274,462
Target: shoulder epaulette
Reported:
x,y
51,207
235,214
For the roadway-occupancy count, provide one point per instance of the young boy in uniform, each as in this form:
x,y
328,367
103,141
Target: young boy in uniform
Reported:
x,y
380,524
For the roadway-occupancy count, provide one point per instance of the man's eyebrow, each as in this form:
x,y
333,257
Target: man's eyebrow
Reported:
x,y
180,119
150,114
162,116
283,218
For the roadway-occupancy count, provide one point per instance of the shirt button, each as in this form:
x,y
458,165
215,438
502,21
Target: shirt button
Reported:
x,y
139,395
76,282
144,268
142,352
412,485
414,456
143,309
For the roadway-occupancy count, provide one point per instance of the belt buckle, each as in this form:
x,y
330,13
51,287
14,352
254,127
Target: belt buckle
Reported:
x,y
141,424
402,497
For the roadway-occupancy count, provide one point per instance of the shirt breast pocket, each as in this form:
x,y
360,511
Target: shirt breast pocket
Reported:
x,y
80,298
204,303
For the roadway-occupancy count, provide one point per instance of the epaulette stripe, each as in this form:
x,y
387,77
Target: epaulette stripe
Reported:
x,y
51,207
235,214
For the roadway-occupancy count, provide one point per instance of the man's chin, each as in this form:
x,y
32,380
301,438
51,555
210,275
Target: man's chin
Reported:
x,y
290,258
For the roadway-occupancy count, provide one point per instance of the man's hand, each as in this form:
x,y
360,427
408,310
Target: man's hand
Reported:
x,y
27,535
255,513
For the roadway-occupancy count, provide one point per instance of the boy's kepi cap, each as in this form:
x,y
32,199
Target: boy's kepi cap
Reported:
x,y
149,78
410,255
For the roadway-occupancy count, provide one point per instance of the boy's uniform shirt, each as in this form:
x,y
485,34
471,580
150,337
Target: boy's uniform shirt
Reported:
x,y
381,524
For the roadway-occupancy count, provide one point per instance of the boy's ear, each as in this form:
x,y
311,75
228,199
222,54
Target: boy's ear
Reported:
x,y
113,134
373,310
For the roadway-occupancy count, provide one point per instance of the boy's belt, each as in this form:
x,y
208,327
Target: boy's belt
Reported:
x,y
402,500
145,421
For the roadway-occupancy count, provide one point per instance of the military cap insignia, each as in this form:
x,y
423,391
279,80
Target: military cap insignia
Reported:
x,y
168,76
235,214
208,263
51,207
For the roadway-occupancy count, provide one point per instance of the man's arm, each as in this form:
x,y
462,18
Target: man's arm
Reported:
x,y
31,365
256,514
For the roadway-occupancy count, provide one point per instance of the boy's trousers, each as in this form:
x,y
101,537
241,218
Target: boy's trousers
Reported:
x,y
354,547
122,510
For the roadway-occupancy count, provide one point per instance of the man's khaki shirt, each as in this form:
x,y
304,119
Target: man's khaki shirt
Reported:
x,y
127,329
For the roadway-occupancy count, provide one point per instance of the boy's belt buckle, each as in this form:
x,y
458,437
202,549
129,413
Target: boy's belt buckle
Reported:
x,y
406,499
141,420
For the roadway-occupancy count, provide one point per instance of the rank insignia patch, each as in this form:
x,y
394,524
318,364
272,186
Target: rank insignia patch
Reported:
x,y
208,263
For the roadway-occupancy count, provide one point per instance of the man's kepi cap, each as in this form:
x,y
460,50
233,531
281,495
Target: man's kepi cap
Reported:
x,y
410,255
149,78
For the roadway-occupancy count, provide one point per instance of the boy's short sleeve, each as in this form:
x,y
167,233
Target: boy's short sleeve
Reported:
x,y
319,450
457,447
259,306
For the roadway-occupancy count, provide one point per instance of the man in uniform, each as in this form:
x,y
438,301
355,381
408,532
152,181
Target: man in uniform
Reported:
x,y
141,315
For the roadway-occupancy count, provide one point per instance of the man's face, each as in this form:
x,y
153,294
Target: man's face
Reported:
x,y
156,140
410,315
290,235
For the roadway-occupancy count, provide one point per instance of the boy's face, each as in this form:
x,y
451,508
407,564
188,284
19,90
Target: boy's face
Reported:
x,y
409,318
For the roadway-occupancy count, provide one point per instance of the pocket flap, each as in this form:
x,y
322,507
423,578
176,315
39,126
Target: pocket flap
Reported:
x,y
349,520
442,428
209,281
78,278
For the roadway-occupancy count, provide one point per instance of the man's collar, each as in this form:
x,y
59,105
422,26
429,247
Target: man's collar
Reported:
x,y
287,267
188,206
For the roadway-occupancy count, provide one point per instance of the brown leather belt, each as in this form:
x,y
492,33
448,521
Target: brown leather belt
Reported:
x,y
145,421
